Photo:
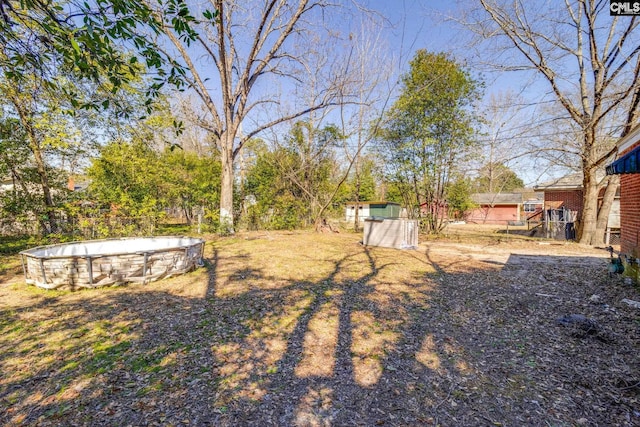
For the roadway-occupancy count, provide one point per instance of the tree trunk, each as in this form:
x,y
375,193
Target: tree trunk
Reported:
x,y
605,209
226,189
187,211
356,224
49,224
589,218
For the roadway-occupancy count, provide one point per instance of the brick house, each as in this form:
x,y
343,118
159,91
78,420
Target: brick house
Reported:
x,y
565,192
563,204
628,167
495,208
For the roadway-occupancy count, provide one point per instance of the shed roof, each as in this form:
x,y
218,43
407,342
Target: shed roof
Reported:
x,y
497,198
373,203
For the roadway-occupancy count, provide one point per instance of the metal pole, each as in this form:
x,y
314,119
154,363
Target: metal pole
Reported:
x,y
24,269
144,265
90,269
44,275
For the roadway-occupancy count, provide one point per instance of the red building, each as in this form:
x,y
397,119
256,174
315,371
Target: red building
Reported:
x,y
628,167
563,193
562,206
495,208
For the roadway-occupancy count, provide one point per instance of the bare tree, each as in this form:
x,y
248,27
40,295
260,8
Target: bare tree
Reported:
x,y
589,60
359,121
506,126
246,56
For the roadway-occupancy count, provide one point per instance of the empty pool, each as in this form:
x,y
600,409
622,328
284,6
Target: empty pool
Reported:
x,y
94,263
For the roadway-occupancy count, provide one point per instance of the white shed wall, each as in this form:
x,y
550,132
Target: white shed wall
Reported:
x,y
350,212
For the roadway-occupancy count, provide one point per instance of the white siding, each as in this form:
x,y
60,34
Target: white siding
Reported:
x,y
350,212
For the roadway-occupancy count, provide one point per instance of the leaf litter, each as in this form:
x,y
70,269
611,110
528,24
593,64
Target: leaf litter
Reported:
x,y
305,329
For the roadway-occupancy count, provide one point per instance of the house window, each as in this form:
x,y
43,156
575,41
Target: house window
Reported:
x,y
530,207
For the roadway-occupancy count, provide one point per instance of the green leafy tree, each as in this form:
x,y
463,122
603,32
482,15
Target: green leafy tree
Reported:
x,y
361,185
18,201
45,136
428,128
276,203
294,183
126,181
315,169
99,41
54,144
191,182
458,195
497,178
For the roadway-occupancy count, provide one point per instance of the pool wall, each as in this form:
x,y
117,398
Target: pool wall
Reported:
x,y
147,260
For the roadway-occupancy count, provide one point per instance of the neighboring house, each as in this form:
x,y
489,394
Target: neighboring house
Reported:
x,y
495,208
77,183
533,203
439,209
628,167
532,206
372,209
563,205
563,193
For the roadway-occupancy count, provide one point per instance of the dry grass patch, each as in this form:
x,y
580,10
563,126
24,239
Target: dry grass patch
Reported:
x,y
315,329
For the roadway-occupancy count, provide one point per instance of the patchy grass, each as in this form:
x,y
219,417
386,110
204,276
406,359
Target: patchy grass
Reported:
x,y
164,229
10,245
490,234
315,329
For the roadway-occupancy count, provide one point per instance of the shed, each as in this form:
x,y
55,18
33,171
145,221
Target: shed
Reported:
x,y
495,208
366,210
398,233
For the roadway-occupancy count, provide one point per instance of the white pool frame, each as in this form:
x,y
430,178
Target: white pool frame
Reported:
x,y
94,263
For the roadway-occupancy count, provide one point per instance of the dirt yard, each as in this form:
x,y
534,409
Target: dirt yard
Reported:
x,y
303,329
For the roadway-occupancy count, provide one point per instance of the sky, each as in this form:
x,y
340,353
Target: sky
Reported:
x,y
430,24
406,26
416,24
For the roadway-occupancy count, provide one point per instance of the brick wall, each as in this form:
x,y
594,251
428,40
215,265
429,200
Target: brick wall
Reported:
x,y
568,199
494,215
630,212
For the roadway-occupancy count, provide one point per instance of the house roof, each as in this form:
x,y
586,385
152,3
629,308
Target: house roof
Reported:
x,y
630,139
532,196
568,182
497,198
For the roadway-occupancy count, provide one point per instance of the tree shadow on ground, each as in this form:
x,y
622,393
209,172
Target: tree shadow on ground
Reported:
x,y
371,337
